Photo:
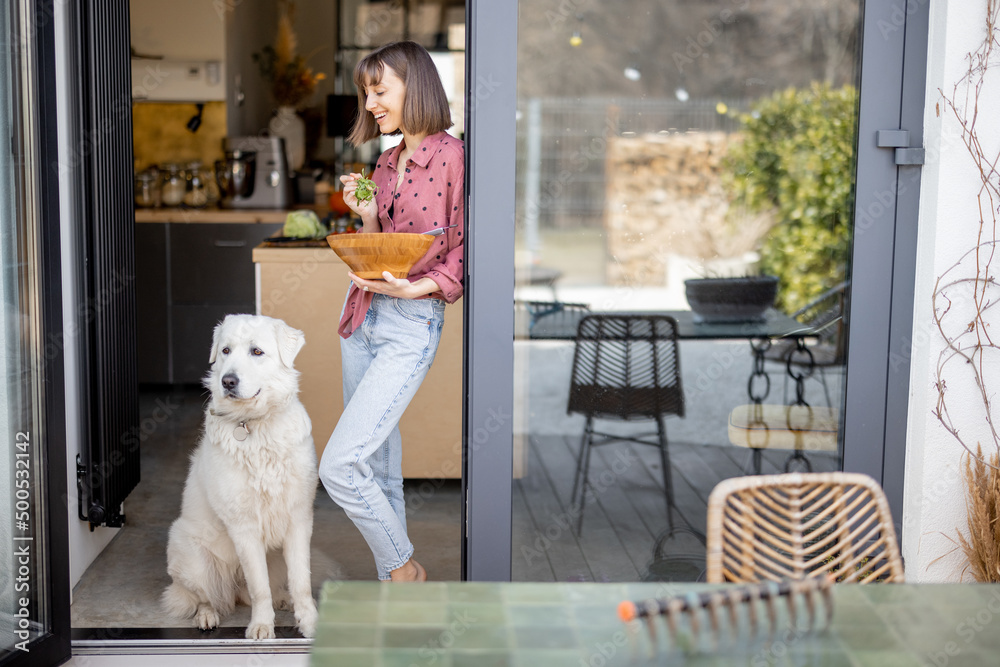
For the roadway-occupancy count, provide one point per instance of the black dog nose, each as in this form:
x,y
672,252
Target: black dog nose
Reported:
x,y
229,381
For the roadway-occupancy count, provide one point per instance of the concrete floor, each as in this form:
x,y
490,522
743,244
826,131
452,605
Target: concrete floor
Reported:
x,y
122,588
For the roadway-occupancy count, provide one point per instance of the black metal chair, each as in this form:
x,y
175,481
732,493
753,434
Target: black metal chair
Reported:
x,y
552,318
625,367
823,349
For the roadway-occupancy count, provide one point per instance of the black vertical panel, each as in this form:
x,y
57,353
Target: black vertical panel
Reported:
x,y
103,173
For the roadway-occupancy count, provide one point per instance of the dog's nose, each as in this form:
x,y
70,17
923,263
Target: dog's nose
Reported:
x,y
229,381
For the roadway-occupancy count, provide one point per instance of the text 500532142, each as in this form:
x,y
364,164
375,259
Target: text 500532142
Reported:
x,y
23,559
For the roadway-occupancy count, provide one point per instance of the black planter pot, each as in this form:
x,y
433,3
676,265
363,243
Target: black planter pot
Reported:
x,y
731,299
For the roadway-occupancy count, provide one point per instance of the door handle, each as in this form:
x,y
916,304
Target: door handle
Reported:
x,y
229,244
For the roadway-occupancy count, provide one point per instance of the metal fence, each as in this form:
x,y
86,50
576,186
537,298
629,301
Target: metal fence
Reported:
x,y
562,145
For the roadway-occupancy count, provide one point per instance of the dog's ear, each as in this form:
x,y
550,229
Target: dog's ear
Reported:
x,y
290,341
215,342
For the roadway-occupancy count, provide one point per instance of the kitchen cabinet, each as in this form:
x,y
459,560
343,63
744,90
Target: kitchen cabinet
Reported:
x,y
437,25
178,51
151,303
189,276
306,288
366,24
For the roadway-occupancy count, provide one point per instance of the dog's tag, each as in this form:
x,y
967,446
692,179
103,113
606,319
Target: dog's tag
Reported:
x,y
241,432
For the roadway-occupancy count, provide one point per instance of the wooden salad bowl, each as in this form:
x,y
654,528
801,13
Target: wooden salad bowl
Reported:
x,y
368,255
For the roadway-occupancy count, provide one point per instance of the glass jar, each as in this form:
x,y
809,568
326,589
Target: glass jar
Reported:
x,y
147,188
173,186
196,193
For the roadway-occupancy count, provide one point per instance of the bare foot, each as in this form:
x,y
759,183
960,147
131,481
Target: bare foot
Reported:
x,y
411,570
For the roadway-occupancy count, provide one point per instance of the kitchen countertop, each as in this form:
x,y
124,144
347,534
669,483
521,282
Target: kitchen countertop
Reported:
x,y
293,254
214,214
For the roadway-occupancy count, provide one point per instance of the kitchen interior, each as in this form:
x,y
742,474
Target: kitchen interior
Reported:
x,y
227,152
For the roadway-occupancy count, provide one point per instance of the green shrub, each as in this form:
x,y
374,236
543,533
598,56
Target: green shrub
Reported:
x,y
796,158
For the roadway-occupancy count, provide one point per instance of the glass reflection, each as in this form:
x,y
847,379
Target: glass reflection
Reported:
x,y
25,605
694,161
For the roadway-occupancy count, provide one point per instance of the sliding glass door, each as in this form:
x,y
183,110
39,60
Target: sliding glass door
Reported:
x,y
689,249
674,163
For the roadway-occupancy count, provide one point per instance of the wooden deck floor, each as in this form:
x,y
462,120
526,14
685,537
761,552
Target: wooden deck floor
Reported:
x,y
625,513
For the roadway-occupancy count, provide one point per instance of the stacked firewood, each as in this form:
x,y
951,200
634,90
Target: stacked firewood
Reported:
x,y
666,197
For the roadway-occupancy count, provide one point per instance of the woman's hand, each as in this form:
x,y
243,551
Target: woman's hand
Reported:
x,y
401,288
368,210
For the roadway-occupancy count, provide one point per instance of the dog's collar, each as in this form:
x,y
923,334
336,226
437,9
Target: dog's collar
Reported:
x,y
241,432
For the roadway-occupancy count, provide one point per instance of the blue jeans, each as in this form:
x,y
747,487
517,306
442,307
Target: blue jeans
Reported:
x,y
384,361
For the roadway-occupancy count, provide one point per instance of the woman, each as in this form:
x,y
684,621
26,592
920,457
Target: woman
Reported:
x,y
390,328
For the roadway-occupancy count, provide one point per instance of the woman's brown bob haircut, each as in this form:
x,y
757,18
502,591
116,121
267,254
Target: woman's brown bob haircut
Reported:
x,y
426,107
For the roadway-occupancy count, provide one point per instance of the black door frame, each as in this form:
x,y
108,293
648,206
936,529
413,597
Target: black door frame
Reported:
x,y
35,40
893,74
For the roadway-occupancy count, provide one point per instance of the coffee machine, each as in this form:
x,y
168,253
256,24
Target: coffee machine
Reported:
x,y
254,173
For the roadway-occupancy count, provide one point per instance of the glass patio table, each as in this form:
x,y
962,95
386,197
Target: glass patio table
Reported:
x,y
576,624
560,323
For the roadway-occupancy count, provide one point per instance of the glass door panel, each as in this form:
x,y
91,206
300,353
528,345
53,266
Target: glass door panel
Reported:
x,y
33,623
685,180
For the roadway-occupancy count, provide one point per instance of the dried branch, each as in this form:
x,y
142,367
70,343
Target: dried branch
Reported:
x,y
968,343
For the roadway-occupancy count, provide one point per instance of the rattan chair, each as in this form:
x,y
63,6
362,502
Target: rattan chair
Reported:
x,y
792,526
625,367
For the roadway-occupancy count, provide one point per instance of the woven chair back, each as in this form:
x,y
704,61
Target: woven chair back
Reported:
x,y
626,367
777,527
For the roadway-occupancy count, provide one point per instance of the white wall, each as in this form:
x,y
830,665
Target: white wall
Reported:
x,y
934,502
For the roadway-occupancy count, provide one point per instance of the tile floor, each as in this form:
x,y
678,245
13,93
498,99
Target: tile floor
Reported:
x,y
481,624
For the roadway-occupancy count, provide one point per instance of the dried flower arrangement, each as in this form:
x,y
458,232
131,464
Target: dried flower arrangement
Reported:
x,y
982,547
292,81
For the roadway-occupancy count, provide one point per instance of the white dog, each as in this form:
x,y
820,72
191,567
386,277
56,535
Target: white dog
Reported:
x,y
250,488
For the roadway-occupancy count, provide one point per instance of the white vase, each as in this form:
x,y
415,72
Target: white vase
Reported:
x,y
287,125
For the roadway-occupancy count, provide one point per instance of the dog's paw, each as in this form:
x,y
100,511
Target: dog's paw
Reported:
x,y
305,620
207,617
260,631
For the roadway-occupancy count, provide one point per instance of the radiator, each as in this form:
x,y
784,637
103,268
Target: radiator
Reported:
x,y
101,166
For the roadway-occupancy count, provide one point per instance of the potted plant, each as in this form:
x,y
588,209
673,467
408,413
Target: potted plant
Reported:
x,y
795,158
733,299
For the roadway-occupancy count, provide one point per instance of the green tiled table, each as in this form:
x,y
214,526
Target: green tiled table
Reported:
x,y
453,624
